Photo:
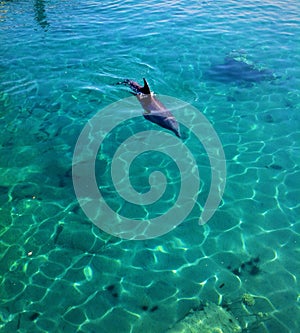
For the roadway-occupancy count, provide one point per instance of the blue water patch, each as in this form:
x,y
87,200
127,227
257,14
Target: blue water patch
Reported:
x,y
237,63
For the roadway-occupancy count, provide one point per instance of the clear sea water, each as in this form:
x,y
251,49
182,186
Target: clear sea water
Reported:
x,y
59,61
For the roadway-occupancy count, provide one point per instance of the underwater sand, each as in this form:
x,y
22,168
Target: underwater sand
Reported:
x,y
59,59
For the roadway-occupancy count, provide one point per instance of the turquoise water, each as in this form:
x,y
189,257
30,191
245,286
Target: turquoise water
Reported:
x,y
59,60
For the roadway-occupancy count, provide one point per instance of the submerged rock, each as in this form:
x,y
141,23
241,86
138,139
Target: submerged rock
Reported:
x,y
237,68
211,319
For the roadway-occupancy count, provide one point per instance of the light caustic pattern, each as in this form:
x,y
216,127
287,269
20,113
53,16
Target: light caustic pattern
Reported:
x,y
104,122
